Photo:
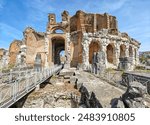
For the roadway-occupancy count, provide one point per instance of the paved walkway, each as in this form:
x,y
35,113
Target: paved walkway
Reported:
x,y
103,90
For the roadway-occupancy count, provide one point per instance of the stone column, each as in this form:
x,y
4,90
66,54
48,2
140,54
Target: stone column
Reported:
x,y
127,51
67,52
137,57
117,50
133,56
85,51
108,21
104,44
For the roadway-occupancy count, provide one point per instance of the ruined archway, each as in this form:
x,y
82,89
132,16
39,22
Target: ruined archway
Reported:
x,y
58,45
58,30
62,56
93,47
122,51
110,53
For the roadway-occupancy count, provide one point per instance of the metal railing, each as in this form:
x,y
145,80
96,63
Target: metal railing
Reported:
x,y
112,76
20,83
129,77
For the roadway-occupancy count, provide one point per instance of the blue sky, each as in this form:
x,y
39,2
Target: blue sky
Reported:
x,y
133,16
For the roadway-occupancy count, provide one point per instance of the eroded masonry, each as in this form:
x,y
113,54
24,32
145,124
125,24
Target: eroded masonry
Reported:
x,y
79,36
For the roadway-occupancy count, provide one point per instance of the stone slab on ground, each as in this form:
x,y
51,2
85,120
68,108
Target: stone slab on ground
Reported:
x,y
103,90
73,79
66,72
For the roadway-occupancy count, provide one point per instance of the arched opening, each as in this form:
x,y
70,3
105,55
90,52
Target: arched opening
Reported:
x,y
93,47
58,48
110,53
38,62
122,51
59,31
62,56
130,51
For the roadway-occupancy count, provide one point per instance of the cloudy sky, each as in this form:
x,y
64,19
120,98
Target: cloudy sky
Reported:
x,y
133,16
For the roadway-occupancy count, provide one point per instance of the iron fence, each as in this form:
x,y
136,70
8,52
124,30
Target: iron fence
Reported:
x,y
17,84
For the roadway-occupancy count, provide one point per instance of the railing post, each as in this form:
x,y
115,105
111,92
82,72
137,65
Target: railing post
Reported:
x,y
40,77
44,73
26,81
146,88
0,96
10,76
14,90
35,78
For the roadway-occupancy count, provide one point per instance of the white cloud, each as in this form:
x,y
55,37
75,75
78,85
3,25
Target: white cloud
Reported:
x,y
40,5
8,34
114,5
38,9
10,31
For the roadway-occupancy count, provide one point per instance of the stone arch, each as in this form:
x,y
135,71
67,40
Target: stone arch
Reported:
x,y
93,47
110,50
56,28
130,51
122,51
58,44
58,57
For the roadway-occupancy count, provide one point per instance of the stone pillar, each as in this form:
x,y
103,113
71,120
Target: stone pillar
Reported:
x,y
127,51
85,51
117,52
85,55
108,21
81,17
104,50
133,56
136,57
67,52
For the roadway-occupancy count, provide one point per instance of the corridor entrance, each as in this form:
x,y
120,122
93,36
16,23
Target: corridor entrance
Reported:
x,y
58,45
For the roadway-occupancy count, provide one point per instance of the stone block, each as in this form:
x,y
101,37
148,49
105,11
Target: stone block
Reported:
x,y
66,77
73,79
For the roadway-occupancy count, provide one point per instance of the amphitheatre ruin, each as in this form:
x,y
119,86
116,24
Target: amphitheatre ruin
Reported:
x,y
81,37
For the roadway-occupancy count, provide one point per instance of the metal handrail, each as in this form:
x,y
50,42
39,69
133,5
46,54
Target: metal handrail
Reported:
x,y
24,84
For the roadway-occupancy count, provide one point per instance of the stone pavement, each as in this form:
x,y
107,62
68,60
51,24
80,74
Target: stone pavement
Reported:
x,y
103,90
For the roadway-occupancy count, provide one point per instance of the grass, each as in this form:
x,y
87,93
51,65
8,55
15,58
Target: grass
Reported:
x,y
142,70
8,68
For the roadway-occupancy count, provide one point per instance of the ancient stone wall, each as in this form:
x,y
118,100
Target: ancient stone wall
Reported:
x,y
14,51
4,58
88,22
73,23
101,22
113,46
35,43
82,35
